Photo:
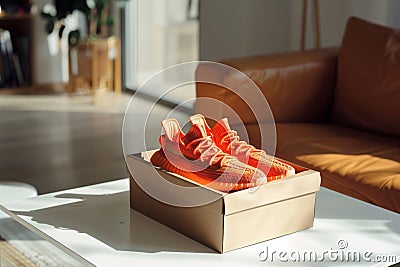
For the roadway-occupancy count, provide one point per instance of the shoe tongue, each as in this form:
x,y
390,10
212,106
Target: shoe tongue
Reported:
x,y
197,131
221,128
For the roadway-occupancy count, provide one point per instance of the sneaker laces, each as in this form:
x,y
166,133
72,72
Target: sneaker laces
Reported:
x,y
237,146
209,152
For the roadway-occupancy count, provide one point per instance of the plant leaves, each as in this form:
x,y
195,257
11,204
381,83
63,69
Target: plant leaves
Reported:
x,y
46,15
61,31
49,27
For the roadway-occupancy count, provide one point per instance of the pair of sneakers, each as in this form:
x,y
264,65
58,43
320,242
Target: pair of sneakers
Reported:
x,y
215,157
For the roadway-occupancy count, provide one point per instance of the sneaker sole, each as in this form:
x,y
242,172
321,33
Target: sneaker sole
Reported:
x,y
159,160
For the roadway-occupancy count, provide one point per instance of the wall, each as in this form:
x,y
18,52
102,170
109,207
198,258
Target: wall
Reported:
x,y
333,18
238,28
243,28
332,23
393,18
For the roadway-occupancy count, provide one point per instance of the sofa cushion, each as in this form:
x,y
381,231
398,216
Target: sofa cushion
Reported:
x,y
368,83
356,163
298,86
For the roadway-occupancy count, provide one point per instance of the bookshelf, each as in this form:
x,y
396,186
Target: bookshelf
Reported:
x,y
21,28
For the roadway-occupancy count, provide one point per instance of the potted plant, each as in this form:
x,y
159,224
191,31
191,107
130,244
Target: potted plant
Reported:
x,y
94,55
96,13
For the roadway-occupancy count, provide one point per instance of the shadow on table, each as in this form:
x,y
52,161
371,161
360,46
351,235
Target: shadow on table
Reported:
x,y
109,219
336,206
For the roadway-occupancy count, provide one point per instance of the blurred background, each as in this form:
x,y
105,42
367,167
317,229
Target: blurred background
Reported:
x,y
69,68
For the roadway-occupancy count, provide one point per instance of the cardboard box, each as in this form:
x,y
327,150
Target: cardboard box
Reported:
x,y
227,221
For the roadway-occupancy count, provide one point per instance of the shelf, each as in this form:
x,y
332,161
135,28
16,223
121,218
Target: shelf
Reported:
x,y
16,17
21,28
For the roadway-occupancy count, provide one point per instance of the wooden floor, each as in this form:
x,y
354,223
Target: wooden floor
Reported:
x,y
11,257
55,150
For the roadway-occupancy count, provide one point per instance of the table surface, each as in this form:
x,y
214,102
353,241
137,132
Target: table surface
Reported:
x,y
96,226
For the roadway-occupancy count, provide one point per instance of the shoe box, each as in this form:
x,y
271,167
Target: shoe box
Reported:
x,y
223,221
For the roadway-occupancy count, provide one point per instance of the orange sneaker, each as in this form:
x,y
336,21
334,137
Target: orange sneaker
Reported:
x,y
195,156
230,143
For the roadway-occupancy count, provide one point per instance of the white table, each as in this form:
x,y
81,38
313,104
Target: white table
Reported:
x,y
95,225
10,190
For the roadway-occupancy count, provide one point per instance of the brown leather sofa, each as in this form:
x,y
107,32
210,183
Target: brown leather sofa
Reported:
x,y
336,110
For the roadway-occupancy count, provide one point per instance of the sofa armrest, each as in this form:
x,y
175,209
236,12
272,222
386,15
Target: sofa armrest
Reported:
x,y
298,86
